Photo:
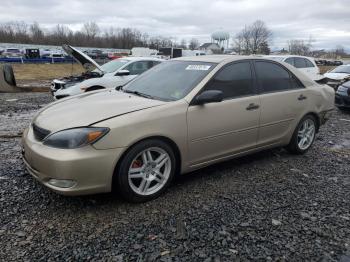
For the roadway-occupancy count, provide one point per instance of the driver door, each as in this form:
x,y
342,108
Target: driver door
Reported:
x,y
218,130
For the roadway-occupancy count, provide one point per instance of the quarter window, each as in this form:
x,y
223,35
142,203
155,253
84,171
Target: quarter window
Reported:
x,y
233,80
309,63
273,78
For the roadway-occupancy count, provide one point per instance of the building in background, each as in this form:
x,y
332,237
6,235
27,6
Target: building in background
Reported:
x,y
210,48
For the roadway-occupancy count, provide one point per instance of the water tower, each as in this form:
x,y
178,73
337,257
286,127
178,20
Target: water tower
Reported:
x,y
222,38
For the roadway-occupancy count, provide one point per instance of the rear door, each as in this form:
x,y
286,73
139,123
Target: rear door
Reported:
x,y
283,100
217,130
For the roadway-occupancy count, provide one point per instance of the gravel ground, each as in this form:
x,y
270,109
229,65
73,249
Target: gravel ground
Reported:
x,y
267,206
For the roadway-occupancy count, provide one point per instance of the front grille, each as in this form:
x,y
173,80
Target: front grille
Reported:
x,y
40,133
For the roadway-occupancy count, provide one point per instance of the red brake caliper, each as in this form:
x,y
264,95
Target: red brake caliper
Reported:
x,y
136,164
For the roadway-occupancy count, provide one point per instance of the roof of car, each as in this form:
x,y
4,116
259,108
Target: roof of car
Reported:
x,y
137,58
286,56
219,58
212,58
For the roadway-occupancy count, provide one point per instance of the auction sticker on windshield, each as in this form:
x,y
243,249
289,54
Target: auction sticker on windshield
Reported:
x,y
198,67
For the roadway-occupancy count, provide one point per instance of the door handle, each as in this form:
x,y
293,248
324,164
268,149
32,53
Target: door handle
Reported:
x,y
252,106
302,97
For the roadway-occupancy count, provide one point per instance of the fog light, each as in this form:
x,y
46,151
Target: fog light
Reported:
x,y
63,183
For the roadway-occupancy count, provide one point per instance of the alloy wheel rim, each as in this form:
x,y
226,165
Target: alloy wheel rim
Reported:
x,y
306,134
149,171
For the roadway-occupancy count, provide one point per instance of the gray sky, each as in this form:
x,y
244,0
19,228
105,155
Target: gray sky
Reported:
x,y
327,21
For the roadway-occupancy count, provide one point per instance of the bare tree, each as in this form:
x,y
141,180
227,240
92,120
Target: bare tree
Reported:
x,y
264,49
260,35
91,29
299,47
194,44
339,50
239,43
183,44
252,39
36,32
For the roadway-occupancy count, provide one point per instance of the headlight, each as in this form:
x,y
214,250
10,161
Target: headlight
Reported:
x,y
76,137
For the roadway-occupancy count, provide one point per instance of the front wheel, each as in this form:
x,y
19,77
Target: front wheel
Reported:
x,y
303,136
145,171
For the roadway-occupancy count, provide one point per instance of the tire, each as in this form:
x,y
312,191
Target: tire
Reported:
x,y
9,75
133,188
295,145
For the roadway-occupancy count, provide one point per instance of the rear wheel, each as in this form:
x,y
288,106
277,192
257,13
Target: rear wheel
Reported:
x,y
303,136
145,171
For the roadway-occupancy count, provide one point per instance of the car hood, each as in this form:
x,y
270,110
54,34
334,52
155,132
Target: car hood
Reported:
x,y
86,61
337,76
90,108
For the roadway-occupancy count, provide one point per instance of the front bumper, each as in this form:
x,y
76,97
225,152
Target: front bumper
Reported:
x,y
342,100
90,169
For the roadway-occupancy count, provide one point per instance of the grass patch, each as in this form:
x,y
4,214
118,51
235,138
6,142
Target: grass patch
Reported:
x,y
45,71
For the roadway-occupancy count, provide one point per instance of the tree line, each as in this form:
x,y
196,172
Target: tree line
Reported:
x,y
252,39
90,35
256,38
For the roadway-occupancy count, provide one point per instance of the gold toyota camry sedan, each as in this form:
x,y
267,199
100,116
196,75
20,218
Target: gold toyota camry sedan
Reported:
x,y
179,116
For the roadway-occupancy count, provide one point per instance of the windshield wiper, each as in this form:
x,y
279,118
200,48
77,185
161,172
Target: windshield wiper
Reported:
x,y
138,93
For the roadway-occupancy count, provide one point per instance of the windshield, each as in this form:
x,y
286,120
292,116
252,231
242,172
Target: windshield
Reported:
x,y
113,65
171,80
341,69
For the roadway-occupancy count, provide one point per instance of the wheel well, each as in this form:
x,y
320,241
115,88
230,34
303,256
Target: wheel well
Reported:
x,y
92,88
170,142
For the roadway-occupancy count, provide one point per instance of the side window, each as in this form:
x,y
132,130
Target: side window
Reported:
x,y
295,83
273,78
299,62
309,63
290,61
138,67
233,80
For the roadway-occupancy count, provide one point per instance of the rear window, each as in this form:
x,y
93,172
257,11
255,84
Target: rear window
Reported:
x,y
299,62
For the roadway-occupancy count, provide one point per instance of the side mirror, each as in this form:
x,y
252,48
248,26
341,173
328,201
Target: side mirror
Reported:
x,y
123,73
209,96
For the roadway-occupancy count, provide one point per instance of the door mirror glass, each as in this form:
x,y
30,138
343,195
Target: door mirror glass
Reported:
x,y
123,73
209,96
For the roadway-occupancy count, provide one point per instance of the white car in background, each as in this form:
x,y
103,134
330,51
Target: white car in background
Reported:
x,y
338,76
109,75
305,64
339,73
